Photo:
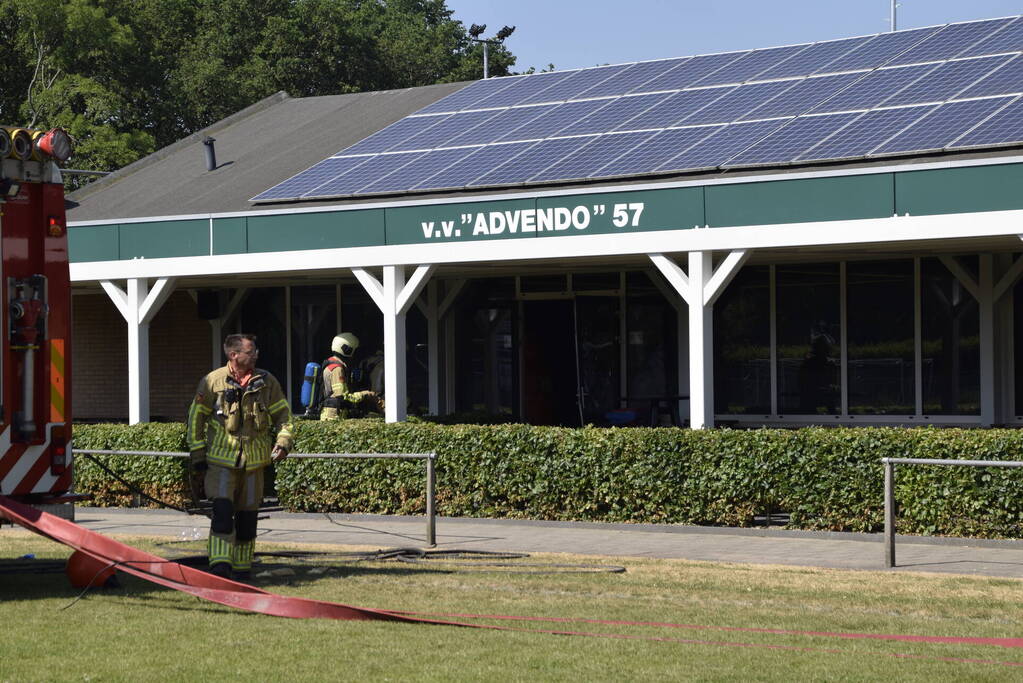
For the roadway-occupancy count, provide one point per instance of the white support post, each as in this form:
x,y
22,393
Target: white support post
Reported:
x,y
395,389
138,306
701,342
394,298
700,288
138,353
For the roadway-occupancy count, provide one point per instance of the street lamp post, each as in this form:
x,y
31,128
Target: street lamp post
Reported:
x,y
476,30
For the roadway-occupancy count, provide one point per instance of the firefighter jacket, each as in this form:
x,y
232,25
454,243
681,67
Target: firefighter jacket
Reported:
x,y
335,379
238,426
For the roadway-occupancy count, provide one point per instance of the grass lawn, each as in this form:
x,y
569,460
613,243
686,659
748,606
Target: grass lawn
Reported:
x,y
142,632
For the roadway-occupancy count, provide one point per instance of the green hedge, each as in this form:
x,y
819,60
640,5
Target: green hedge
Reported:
x,y
825,478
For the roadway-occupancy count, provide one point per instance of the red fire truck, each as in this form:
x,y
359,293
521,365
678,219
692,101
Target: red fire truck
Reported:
x,y
35,351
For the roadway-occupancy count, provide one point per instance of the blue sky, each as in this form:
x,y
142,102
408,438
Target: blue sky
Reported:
x,y
579,33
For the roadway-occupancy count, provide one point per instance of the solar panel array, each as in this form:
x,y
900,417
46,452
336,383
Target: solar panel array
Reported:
x,y
943,88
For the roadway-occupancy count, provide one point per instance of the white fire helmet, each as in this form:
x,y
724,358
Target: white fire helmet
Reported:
x,y
345,344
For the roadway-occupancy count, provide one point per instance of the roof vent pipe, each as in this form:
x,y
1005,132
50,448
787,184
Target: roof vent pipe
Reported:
x,y
211,153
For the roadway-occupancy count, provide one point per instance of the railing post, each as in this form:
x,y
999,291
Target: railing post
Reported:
x,y
889,513
431,509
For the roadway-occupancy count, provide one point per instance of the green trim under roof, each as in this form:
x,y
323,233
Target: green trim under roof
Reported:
x,y
871,195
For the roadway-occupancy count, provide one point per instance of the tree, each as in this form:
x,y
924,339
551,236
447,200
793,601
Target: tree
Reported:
x,y
126,77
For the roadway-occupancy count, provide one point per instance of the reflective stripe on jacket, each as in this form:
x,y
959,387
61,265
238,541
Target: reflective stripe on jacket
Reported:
x,y
239,425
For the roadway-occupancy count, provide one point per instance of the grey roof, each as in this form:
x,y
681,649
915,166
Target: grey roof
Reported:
x,y
256,148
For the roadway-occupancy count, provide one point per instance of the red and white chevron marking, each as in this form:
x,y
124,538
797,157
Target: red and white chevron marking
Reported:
x,y
25,468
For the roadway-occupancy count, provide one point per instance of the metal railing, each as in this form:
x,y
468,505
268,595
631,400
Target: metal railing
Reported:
x,y
431,473
889,491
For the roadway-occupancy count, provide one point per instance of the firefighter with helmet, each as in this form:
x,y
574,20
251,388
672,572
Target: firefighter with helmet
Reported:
x,y
238,422
339,398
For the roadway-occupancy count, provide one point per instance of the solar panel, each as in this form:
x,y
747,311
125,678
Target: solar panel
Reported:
x,y
880,50
1009,39
311,178
914,91
417,169
551,122
690,71
1005,126
750,65
732,106
523,87
632,78
946,80
586,161
813,59
576,83
949,41
874,88
383,140
942,126
865,133
472,166
788,142
465,97
656,151
803,96
364,174
614,114
504,122
674,109
442,132
532,161
723,144
1008,79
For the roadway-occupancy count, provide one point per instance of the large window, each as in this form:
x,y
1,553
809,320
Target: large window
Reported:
x,y
808,323
951,341
880,338
486,364
816,342
742,350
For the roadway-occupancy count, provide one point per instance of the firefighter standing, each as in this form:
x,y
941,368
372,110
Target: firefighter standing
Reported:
x,y
336,381
238,421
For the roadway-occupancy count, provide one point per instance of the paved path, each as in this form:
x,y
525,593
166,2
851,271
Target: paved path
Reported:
x,y
755,546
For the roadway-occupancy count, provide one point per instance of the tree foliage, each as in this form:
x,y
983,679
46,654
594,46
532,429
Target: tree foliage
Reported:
x,y
126,77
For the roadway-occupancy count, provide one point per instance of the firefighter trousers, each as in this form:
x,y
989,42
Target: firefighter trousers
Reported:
x,y
236,494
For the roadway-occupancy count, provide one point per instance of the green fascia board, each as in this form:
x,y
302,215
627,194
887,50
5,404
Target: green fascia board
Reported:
x,y
230,235
959,190
320,230
831,198
803,200
169,239
90,243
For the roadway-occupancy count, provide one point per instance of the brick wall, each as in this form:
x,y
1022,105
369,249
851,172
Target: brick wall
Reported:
x,y
179,348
